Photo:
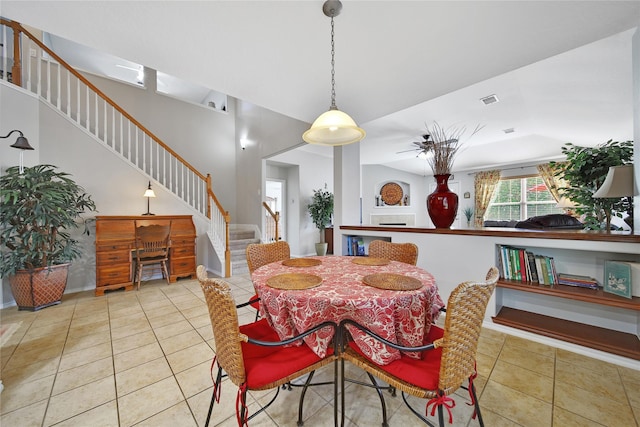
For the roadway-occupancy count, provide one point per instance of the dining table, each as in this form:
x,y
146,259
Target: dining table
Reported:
x,y
396,300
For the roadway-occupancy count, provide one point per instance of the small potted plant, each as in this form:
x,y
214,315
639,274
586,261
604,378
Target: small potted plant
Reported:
x,y
38,210
468,214
321,210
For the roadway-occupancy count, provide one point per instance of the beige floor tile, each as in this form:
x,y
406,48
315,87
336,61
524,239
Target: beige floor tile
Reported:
x,y
177,415
223,410
133,341
137,356
196,379
564,418
173,329
81,375
84,356
593,405
531,346
32,371
172,316
189,357
98,316
485,364
142,376
197,310
180,341
157,315
515,405
586,362
46,329
204,320
489,346
607,383
101,416
21,358
148,401
206,332
28,416
78,400
523,380
491,419
521,356
129,330
89,329
126,321
86,341
17,394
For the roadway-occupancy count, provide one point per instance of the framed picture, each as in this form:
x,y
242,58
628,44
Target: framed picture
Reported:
x,y
617,278
467,195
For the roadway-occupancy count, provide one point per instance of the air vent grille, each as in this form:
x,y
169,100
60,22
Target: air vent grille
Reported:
x,y
488,100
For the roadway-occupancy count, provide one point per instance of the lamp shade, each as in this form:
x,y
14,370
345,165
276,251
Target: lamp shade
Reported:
x,y
149,193
618,183
333,128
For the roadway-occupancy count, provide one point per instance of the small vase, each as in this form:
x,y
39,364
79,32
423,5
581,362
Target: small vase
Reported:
x,y
442,204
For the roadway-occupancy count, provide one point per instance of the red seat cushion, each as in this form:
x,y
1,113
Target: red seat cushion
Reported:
x,y
256,302
425,372
265,365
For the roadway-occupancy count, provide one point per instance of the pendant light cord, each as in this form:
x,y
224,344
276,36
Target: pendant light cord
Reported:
x,y
333,71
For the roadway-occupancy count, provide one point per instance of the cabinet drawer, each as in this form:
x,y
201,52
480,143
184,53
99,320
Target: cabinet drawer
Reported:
x,y
113,274
180,266
113,257
109,247
183,251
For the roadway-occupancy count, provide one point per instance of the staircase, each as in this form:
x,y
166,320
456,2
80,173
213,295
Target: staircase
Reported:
x,y
240,235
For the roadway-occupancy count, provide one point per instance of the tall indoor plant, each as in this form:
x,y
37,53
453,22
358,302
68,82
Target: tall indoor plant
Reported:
x,y
441,148
321,210
585,170
38,210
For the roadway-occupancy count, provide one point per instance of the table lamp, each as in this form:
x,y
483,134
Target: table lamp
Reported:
x,y
148,194
617,184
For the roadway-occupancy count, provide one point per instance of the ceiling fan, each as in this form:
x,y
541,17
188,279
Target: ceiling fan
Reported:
x,y
422,147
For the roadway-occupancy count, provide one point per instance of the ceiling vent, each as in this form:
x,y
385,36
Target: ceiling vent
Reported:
x,y
510,130
488,100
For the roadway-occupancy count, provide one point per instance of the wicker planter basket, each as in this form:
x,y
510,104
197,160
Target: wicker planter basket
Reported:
x,y
39,288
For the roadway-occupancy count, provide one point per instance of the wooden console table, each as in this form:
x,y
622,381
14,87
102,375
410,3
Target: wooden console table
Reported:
x,y
115,237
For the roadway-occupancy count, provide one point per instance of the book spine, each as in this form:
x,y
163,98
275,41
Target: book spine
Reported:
x,y
549,279
523,265
545,274
532,266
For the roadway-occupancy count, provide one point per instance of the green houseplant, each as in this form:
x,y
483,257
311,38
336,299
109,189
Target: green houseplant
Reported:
x,y
38,210
585,170
321,210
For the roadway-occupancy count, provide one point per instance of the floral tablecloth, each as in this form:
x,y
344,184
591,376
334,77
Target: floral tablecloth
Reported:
x,y
403,317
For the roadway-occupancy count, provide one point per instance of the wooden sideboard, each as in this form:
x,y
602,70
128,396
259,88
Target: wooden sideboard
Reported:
x,y
115,237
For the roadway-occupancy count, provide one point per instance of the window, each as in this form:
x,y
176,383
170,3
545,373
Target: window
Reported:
x,y
521,198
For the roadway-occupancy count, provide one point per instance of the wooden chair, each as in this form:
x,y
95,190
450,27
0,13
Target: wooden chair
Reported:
x,y
259,254
253,356
152,248
448,358
402,252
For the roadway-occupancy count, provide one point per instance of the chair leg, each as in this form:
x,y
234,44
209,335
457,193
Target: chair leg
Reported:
x,y
165,272
216,387
476,404
441,415
139,274
385,423
304,392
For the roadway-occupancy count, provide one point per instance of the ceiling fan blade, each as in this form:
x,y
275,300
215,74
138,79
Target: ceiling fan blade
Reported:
x,y
406,151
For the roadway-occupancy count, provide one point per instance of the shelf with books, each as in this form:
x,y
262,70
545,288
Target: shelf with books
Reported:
x,y
356,245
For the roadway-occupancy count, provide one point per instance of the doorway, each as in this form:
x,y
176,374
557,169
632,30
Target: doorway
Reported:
x,y
275,194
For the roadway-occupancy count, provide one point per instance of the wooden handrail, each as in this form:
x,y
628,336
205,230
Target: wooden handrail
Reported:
x,y
276,219
18,27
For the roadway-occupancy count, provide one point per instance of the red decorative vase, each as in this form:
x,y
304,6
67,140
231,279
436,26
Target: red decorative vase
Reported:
x,y
442,204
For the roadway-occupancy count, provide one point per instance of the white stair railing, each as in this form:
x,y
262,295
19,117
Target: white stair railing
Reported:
x,y
43,73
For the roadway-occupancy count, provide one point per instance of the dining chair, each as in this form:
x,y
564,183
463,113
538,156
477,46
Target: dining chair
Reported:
x,y
402,252
447,359
253,356
152,248
259,254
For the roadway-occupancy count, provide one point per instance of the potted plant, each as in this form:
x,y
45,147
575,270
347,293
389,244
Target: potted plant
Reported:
x,y
38,210
585,170
468,214
321,210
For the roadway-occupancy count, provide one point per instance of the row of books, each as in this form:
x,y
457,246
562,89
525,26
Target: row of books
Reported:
x,y
523,265
355,246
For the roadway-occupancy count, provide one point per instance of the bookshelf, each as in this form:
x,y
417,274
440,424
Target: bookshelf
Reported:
x,y
587,317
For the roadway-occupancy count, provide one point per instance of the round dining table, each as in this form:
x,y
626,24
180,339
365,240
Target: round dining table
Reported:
x,y
398,301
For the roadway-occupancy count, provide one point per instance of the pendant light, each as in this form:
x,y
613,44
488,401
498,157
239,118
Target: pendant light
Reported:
x,y
333,127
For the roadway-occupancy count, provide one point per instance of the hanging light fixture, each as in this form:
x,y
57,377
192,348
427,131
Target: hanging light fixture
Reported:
x,y
333,127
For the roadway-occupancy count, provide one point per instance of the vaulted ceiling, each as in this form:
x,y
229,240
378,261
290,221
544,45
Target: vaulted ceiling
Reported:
x,y
561,69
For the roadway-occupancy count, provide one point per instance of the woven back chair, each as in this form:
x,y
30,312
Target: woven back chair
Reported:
x,y
448,356
152,248
259,254
253,356
402,252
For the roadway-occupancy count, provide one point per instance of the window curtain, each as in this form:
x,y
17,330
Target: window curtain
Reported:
x,y
554,183
485,184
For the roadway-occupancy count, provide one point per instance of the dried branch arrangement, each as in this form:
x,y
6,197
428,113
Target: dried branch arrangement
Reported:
x,y
444,145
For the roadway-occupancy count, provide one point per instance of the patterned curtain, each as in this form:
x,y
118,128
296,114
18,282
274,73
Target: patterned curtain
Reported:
x,y
485,184
554,183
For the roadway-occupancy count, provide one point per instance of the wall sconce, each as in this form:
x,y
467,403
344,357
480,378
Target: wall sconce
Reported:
x,y
21,144
148,194
243,143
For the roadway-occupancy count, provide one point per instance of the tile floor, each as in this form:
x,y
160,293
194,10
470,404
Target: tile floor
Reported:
x,y
143,358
